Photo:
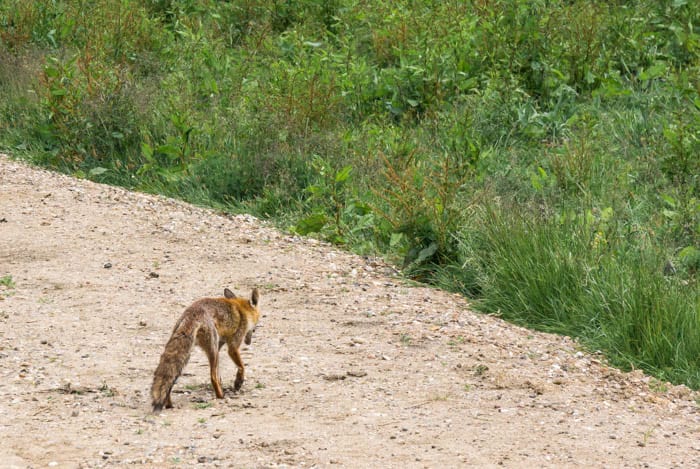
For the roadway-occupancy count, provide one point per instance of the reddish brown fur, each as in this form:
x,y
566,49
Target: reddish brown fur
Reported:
x,y
211,323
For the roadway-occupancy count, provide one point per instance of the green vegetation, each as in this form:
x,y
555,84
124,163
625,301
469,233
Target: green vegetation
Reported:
x,y
542,157
6,281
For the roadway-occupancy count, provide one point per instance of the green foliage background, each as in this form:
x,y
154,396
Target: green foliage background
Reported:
x,y
541,157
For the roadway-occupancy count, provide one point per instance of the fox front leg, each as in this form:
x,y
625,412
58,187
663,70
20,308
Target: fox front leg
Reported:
x,y
240,375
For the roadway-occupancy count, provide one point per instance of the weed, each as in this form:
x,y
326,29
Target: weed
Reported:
x,y
106,390
480,370
645,437
7,281
439,398
195,387
459,340
658,386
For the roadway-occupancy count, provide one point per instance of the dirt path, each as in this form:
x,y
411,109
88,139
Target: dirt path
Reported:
x,y
351,366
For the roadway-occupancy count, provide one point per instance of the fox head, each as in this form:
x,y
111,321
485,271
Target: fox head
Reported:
x,y
255,312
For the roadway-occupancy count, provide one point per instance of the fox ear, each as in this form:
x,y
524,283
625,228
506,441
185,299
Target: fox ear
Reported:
x,y
229,294
254,297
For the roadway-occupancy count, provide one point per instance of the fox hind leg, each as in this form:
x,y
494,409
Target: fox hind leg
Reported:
x,y
210,346
213,356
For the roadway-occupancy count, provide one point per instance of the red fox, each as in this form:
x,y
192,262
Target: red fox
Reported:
x,y
211,323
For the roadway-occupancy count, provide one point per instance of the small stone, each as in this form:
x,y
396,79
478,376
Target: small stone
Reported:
x,y
334,377
108,265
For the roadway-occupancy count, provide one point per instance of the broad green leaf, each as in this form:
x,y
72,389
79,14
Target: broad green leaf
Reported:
x,y
655,71
314,190
169,150
427,253
343,174
311,224
669,200
670,214
607,214
688,251
97,171
147,151
51,72
396,238
536,183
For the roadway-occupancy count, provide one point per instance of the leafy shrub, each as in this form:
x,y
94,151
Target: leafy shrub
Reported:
x,y
539,156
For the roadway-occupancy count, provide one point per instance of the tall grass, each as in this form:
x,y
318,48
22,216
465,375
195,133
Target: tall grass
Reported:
x,y
540,157
615,297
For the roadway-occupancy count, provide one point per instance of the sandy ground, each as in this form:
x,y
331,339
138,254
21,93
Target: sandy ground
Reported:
x,y
351,365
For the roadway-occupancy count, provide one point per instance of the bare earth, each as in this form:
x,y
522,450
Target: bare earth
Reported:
x,y
351,365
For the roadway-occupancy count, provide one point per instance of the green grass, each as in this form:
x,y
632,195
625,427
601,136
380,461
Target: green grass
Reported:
x,y
615,298
539,157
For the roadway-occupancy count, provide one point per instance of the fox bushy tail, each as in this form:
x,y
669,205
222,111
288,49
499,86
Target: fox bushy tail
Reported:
x,y
172,361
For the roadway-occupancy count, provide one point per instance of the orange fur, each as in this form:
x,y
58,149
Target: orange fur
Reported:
x,y
210,323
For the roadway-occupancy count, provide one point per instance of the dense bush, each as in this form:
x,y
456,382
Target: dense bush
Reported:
x,y
541,157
